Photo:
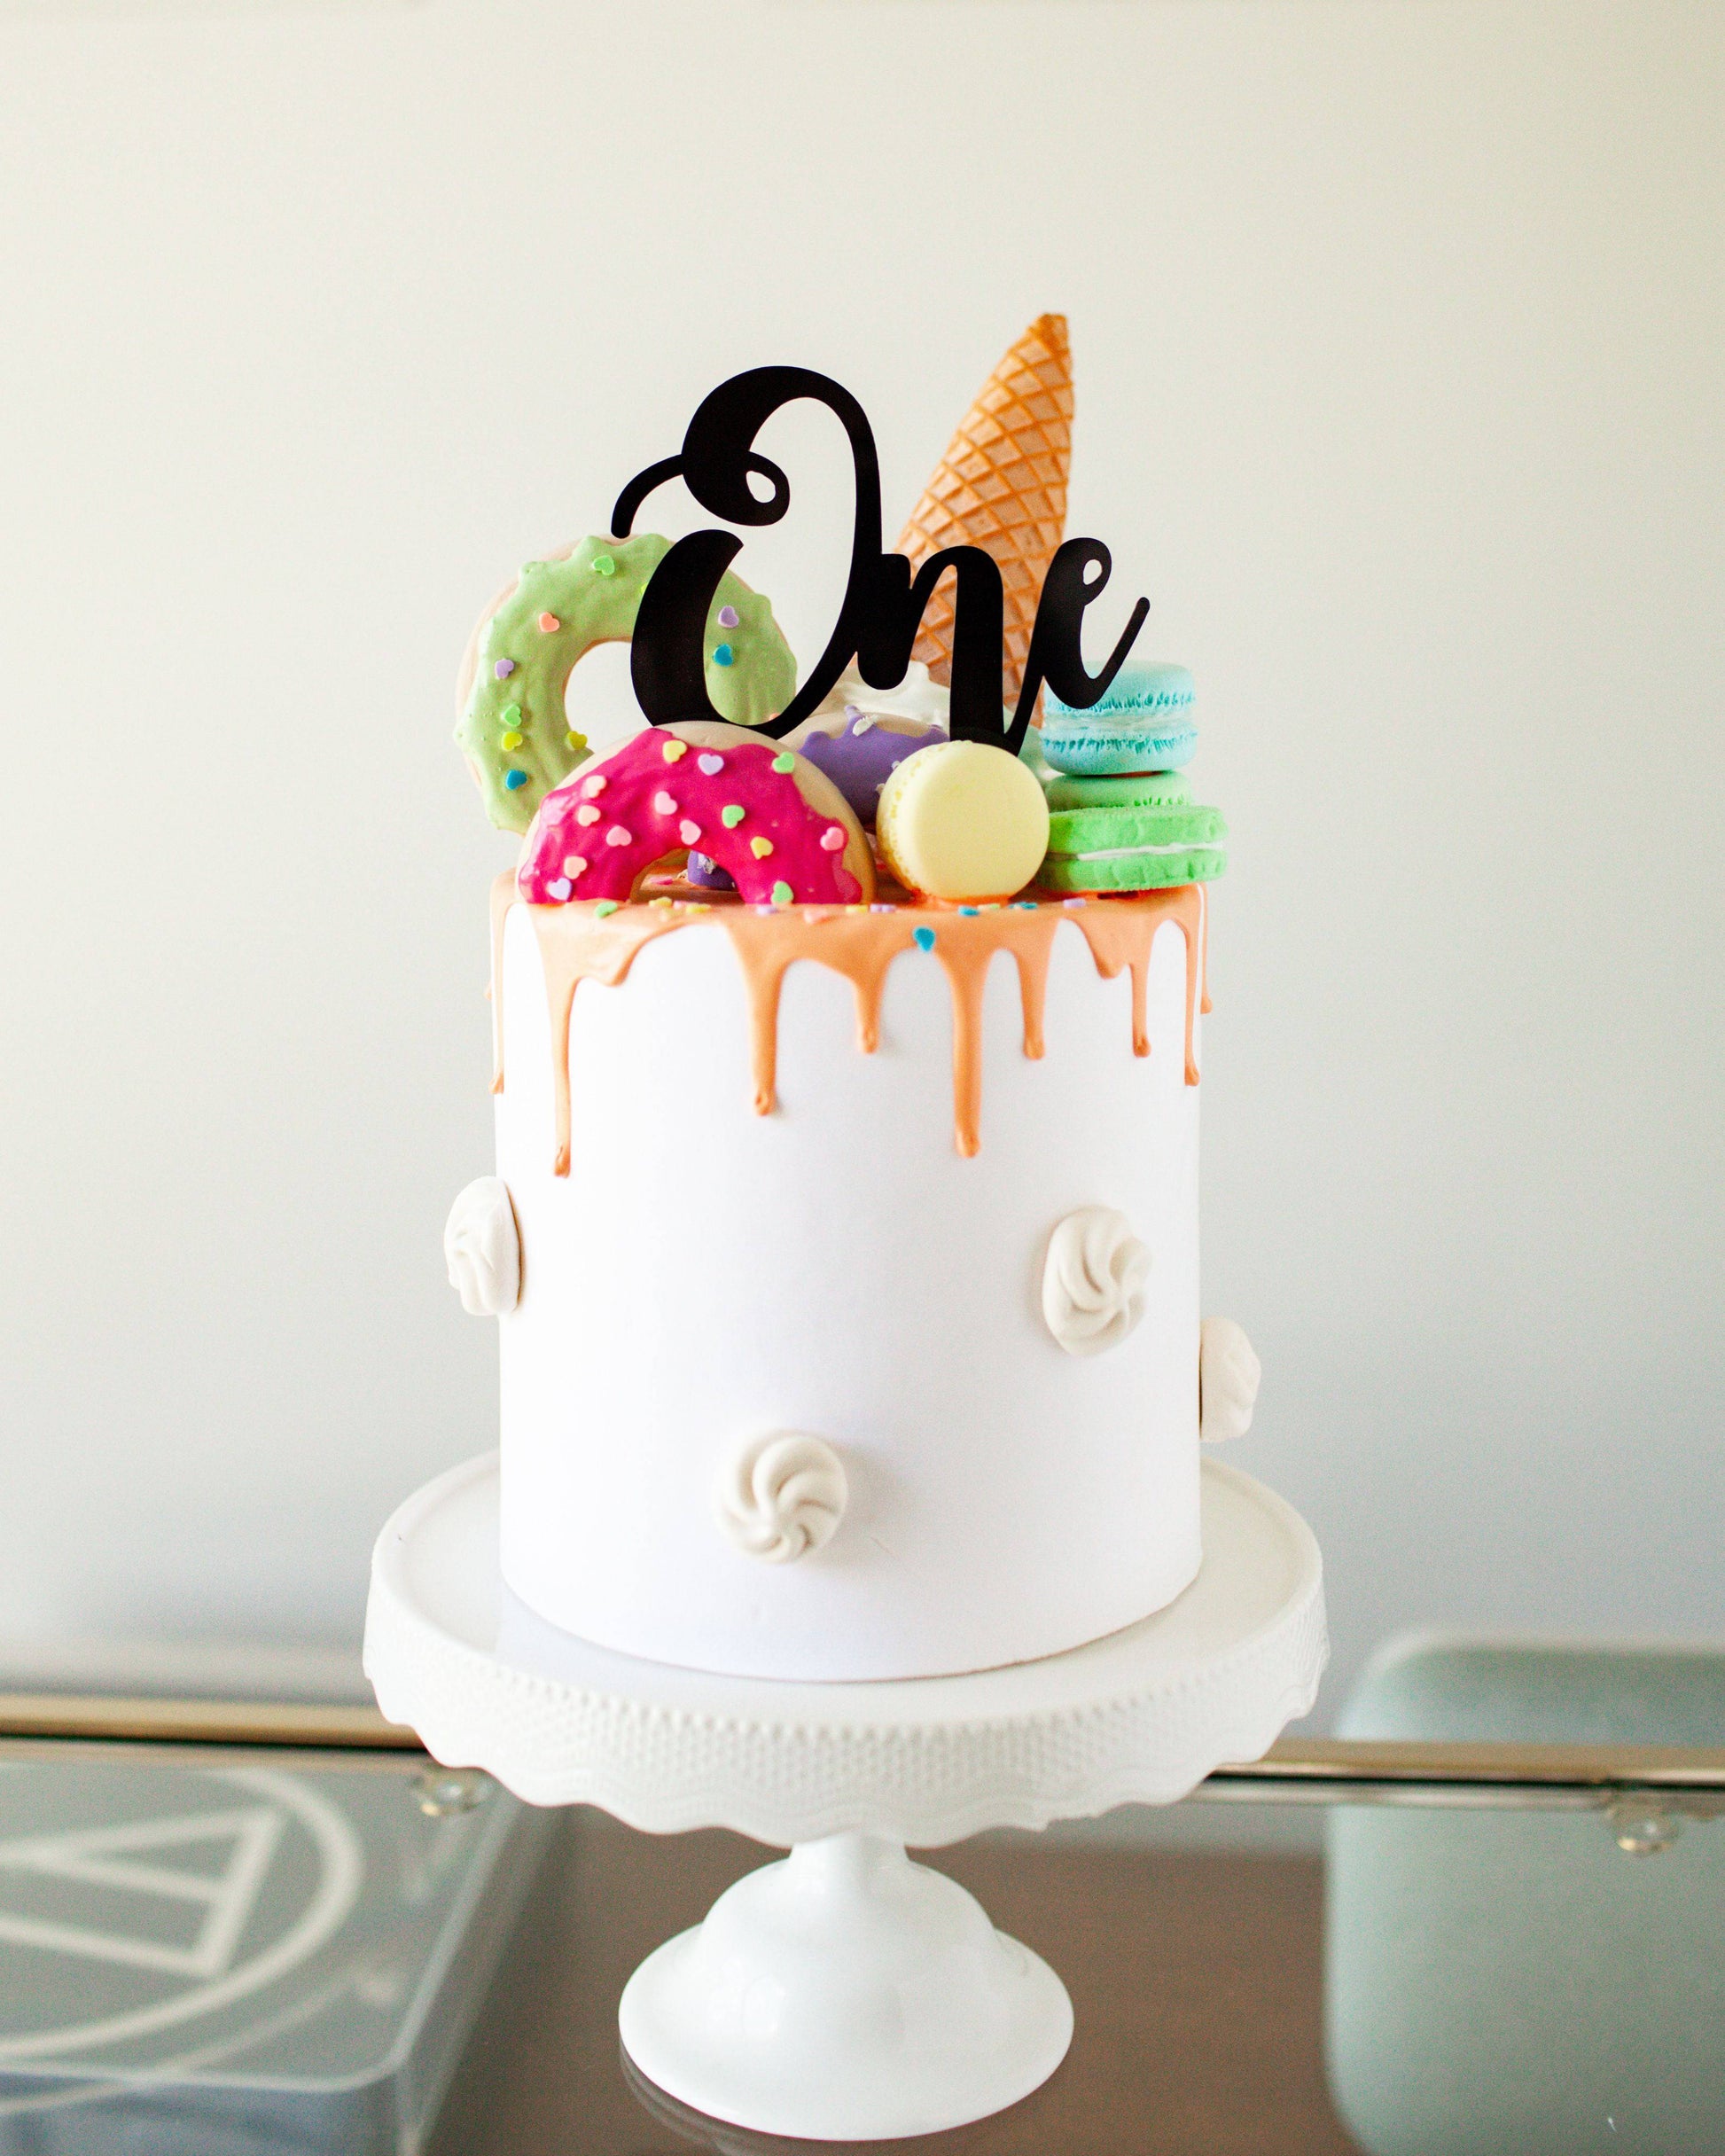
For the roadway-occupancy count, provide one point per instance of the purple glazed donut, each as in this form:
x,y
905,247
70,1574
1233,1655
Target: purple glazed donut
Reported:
x,y
860,753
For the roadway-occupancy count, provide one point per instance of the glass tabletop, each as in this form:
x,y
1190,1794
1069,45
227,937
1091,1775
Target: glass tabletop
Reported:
x,y
233,1928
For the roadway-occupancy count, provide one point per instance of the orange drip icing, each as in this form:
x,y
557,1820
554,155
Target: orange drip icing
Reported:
x,y
1121,932
575,945
601,950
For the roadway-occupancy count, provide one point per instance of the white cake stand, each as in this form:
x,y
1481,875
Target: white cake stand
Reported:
x,y
844,1994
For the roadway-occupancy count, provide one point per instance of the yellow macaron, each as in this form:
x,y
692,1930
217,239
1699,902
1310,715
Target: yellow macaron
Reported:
x,y
963,820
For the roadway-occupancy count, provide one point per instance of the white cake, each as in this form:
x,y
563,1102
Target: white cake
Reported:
x,y
844,1233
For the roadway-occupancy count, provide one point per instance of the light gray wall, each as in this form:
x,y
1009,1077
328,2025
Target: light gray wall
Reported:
x,y
1398,331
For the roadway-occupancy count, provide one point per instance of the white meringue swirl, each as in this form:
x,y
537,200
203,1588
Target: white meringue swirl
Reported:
x,y
915,697
1093,1282
783,1495
1228,1377
482,1245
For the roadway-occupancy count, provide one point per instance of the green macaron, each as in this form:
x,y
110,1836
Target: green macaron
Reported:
x,y
1142,790
1133,847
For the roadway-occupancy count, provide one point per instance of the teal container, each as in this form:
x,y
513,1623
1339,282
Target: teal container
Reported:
x,y
1511,1982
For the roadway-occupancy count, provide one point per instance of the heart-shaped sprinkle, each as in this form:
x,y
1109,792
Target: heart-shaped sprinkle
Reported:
x,y
587,814
689,832
603,565
729,617
605,906
973,912
515,780
730,815
618,836
923,938
594,786
663,805
722,655
572,739
761,848
511,714
673,750
503,668
574,863
781,893
558,889
548,622
711,765
786,763
833,838
511,739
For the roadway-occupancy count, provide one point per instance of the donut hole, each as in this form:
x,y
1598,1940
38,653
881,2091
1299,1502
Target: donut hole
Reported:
x,y
598,700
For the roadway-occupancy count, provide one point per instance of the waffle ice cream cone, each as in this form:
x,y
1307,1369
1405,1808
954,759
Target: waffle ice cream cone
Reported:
x,y
1002,486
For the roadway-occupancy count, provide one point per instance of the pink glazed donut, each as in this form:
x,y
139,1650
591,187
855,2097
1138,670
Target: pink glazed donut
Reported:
x,y
773,819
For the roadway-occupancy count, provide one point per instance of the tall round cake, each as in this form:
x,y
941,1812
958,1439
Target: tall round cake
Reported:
x,y
844,1232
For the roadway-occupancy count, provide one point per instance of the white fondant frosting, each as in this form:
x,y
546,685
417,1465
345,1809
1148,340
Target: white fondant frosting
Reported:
x,y
704,1274
1094,1280
1228,1375
483,1248
783,1495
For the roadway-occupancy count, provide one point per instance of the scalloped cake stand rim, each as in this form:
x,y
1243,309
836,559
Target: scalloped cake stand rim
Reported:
x,y
1142,1716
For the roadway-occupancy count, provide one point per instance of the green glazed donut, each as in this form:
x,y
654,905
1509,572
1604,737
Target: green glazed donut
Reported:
x,y
513,731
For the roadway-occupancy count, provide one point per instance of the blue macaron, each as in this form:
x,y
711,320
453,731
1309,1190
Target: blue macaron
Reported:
x,y
1144,723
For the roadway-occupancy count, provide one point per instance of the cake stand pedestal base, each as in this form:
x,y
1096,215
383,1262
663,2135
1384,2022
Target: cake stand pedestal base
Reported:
x,y
844,1994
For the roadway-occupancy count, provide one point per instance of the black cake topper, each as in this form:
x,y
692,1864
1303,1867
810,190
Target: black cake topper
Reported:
x,y
884,601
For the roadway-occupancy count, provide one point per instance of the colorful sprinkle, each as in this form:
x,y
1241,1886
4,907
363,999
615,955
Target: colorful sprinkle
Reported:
x,y
761,848
572,739
573,865
603,565
781,893
673,750
731,814
660,902
618,836
548,622
663,805
558,889
511,739
1071,903
587,814
881,909
515,780
1024,905
723,656
690,832
834,838
729,617
605,906
923,938
596,785
785,763
503,668
973,910
511,714
711,765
